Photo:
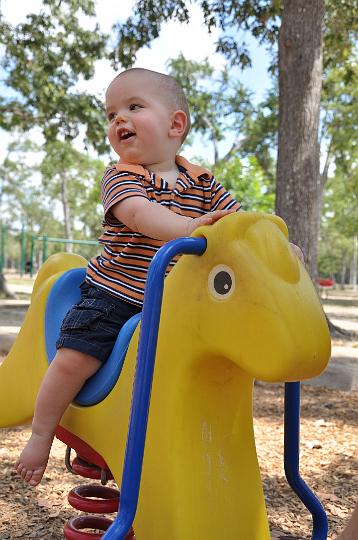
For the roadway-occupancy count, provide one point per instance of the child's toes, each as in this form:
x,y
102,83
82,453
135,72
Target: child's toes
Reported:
x,y
27,476
23,472
36,476
19,467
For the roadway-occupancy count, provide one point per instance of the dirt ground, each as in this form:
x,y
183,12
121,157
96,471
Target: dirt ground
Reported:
x,y
328,459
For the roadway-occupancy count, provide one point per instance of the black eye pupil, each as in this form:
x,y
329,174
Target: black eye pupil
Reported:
x,y
222,282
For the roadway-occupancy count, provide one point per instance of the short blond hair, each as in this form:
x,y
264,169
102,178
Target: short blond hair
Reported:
x,y
171,91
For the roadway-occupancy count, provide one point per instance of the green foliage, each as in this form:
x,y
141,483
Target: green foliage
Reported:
x,y
43,60
247,182
22,199
260,17
31,194
45,57
82,175
334,252
339,222
260,138
340,118
341,203
218,102
340,34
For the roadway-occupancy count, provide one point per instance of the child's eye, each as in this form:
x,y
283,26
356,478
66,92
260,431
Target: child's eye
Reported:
x,y
111,116
134,106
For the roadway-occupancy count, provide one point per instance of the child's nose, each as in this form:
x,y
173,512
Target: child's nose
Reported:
x,y
121,117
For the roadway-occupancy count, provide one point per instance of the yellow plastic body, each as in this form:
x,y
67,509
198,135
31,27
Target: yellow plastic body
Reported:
x,y
200,473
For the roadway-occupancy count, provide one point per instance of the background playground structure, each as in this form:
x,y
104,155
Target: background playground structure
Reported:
x,y
24,253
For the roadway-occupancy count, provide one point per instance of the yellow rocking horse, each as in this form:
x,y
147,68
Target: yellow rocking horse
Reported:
x,y
244,309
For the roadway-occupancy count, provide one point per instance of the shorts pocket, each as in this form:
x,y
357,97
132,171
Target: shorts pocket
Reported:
x,y
86,315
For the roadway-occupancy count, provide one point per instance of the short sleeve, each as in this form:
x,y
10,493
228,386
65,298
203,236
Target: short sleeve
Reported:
x,y
119,185
221,199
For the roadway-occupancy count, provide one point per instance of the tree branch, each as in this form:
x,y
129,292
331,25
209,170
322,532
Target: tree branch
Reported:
x,y
213,138
236,145
328,161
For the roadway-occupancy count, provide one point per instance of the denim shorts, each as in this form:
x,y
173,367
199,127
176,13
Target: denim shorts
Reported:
x,y
92,325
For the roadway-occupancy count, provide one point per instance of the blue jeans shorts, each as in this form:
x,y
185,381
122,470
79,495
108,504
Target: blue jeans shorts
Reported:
x,y
92,325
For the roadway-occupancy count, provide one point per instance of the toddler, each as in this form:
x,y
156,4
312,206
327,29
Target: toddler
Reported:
x,y
150,196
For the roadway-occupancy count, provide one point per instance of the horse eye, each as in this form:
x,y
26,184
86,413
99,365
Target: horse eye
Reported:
x,y
221,282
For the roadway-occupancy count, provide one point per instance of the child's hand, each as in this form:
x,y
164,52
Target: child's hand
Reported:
x,y
297,251
207,219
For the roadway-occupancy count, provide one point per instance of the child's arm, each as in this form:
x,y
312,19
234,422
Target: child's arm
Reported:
x,y
158,222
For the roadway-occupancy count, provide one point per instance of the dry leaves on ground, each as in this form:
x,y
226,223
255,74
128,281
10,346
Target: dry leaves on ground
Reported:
x,y
328,456
328,464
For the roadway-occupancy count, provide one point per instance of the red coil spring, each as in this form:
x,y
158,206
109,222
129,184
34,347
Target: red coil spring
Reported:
x,y
94,499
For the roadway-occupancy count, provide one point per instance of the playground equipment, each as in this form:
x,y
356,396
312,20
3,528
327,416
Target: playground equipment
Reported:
x,y
244,309
27,262
45,240
325,285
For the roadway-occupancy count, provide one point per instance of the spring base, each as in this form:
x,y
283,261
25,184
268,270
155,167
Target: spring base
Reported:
x,y
91,498
74,529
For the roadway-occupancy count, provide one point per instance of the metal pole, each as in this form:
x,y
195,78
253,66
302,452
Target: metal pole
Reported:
x,y
292,460
44,248
2,248
23,251
32,252
354,263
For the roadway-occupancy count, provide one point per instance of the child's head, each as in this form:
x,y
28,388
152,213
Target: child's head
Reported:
x,y
148,117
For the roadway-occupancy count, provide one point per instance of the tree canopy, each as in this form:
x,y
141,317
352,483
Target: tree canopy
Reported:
x,y
43,60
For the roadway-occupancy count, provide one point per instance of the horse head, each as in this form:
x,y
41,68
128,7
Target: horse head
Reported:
x,y
250,300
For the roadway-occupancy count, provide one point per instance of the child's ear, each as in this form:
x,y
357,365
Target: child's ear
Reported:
x,y
178,124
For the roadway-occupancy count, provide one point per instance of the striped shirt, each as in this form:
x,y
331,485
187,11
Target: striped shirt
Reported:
x,y
122,267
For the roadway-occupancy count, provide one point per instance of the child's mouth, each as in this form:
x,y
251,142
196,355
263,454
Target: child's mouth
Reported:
x,y
125,134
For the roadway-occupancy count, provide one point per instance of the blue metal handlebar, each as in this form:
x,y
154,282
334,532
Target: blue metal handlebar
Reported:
x,y
143,381
292,458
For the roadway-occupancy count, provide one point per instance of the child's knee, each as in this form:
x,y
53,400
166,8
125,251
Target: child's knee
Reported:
x,y
75,364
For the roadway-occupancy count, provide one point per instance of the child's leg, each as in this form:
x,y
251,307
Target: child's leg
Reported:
x,y
63,380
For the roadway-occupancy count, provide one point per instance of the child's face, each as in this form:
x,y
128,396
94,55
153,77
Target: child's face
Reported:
x,y
138,120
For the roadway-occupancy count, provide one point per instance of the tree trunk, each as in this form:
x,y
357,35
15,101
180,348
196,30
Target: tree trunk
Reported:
x,y
66,213
4,289
300,80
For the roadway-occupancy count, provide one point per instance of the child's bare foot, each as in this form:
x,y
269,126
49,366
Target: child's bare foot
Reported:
x,y
33,459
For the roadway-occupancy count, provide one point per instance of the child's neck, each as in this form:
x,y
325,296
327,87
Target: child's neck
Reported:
x,y
170,176
168,171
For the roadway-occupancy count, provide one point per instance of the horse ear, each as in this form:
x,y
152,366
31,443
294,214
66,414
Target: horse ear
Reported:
x,y
279,222
244,218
